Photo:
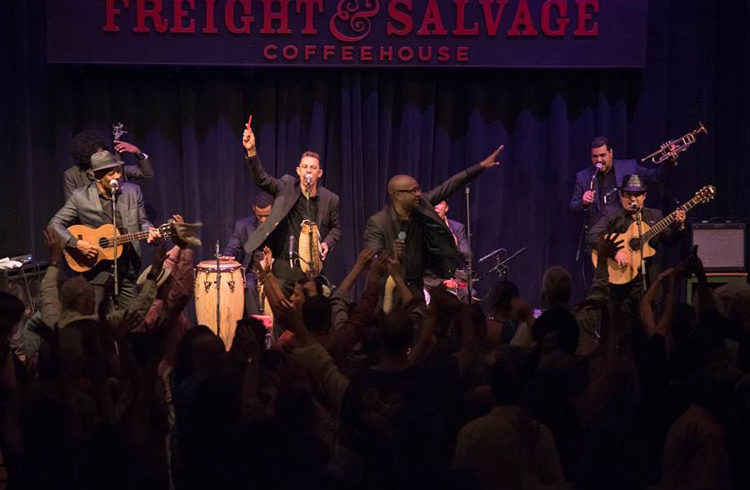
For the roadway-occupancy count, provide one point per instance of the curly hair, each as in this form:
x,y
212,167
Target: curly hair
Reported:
x,y
85,144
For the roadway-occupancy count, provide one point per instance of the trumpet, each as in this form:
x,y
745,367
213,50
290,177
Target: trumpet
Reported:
x,y
671,149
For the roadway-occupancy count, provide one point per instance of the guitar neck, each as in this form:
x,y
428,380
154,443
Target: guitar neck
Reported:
x,y
668,220
136,236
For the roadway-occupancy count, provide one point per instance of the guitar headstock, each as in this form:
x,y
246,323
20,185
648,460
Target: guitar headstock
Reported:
x,y
118,130
705,194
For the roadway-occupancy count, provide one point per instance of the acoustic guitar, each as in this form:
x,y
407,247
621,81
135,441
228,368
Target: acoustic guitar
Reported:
x,y
635,240
106,237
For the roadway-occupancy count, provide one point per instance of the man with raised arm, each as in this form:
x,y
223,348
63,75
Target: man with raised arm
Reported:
x,y
295,199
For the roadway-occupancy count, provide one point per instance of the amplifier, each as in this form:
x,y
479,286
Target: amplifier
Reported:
x,y
715,280
24,283
721,246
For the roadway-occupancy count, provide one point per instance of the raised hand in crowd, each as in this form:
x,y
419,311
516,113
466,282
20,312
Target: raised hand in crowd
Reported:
x,y
176,238
608,246
55,245
361,264
121,325
378,268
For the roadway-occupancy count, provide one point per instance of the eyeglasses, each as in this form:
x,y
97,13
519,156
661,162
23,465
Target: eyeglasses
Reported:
x,y
413,190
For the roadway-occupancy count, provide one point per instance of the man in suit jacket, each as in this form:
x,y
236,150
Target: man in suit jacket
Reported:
x,y
426,243
92,206
85,144
632,197
458,230
237,248
596,186
290,207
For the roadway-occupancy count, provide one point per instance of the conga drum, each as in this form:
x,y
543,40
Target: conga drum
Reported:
x,y
232,296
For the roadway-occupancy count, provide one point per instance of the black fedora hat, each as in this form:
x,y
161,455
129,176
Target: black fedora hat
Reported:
x,y
102,160
632,183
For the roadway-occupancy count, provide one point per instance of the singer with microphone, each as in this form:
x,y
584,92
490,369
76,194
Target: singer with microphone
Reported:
x,y
409,226
92,206
295,200
596,185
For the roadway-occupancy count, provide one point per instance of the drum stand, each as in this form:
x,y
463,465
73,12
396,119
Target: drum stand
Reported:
x,y
218,289
501,266
469,270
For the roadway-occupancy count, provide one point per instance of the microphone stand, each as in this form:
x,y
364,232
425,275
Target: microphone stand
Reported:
x,y
585,229
116,292
469,270
311,259
218,289
642,264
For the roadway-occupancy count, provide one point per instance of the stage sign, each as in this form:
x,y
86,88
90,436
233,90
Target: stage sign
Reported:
x,y
360,33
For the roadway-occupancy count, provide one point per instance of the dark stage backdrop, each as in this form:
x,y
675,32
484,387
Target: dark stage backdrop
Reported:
x,y
368,125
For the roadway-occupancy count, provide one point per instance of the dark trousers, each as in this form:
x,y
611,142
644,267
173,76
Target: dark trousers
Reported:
x,y
252,302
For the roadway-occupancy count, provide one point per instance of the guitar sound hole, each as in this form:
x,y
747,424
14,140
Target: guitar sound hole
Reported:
x,y
103,243
634,244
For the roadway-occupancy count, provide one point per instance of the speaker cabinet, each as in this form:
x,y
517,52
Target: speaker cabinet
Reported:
x,y
715,280
721,246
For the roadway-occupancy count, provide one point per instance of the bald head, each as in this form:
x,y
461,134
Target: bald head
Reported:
x,y
404,193
401,182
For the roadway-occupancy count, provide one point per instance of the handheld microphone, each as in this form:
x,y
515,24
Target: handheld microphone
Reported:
x,y
599,168
401,237
114,184
291,251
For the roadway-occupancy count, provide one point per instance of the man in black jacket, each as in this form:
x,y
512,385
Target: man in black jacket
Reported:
x,y
281,231
236,248
410,227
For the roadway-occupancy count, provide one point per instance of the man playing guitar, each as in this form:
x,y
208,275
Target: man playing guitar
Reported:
x,y
632,194
92,206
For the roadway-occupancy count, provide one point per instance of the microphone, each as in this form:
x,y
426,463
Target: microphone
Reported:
x,y
114,184
308,182
401,237
599,168
291,251
634,206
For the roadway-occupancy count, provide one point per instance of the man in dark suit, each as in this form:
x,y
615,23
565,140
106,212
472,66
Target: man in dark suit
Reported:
x,y
458,230
92,206
632,198
596,186
410,227
236,248
291,206
85,144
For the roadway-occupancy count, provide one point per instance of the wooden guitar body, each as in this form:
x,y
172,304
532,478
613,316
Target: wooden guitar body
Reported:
x,y
631,246
102,237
